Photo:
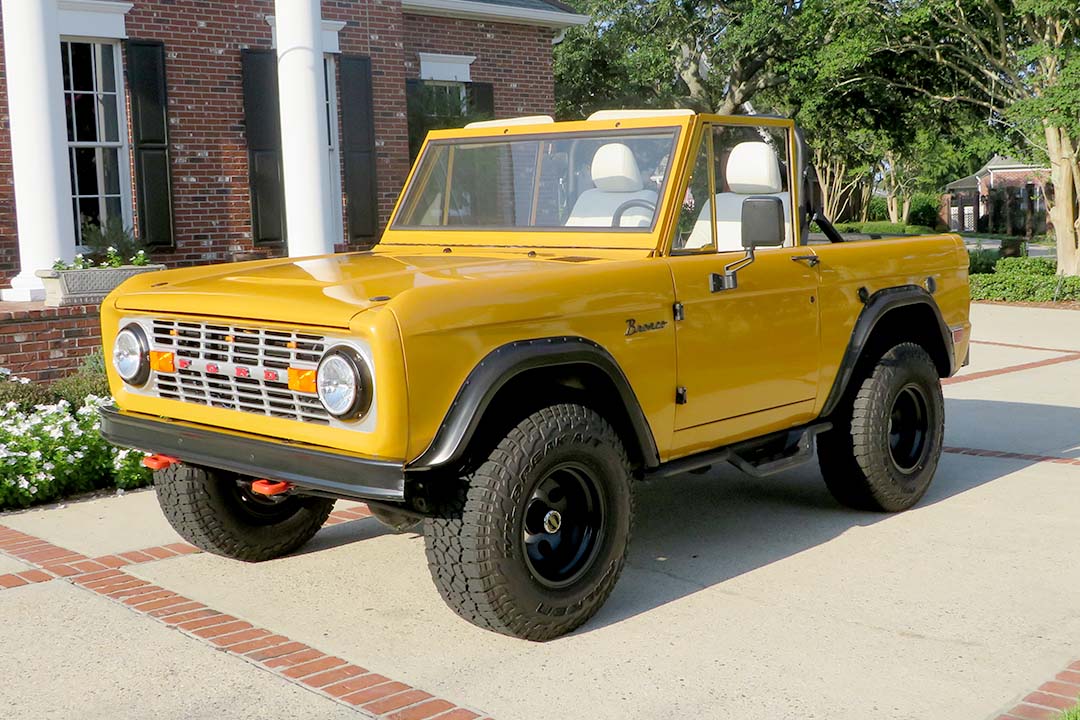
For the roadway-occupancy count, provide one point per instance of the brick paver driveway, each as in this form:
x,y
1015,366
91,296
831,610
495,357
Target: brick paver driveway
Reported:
x,y
743,598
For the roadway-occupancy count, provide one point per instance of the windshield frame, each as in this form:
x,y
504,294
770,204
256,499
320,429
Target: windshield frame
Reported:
x,y
546,236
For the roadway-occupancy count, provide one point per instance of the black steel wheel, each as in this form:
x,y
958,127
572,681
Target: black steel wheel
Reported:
x,y
532,542
887,433
909,426
563,521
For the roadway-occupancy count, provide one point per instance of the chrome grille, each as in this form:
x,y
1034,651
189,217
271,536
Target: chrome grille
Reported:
x,y
238,367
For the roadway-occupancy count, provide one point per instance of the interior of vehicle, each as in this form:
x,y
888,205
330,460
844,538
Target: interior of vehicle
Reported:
x,y
747,163
597,181
619,197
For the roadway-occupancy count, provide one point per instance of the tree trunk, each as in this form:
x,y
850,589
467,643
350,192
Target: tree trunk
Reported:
x,y
905,211
893,203
1065,177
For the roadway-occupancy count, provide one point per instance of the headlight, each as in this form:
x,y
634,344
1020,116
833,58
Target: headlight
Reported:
x,y
344,383
131,357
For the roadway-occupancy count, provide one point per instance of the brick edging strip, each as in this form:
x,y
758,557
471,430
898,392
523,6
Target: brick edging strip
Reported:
x,y
1050,699
977,452
368,692
1010,369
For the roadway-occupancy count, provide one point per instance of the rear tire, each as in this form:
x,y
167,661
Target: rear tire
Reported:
x,y
532,543
887,436
216,511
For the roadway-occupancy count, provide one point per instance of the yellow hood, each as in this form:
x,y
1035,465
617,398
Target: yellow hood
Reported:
x,y
325,291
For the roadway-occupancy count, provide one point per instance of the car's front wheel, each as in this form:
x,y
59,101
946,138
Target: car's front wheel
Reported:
x,y
532,542
217,511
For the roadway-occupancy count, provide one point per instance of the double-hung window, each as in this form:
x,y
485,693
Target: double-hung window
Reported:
x,y
96,133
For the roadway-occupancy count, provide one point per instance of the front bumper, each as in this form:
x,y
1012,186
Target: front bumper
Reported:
x,y
307,466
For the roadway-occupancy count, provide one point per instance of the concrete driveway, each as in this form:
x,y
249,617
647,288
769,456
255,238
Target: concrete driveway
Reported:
x,y
743,598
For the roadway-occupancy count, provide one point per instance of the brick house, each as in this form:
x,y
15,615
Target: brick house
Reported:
x,y
1003,196
167,116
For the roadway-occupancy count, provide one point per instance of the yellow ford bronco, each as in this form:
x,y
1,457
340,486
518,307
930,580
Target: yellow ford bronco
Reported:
x,y
555,311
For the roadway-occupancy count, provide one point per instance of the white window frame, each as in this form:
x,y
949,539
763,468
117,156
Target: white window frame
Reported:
x,y
122,144
336,208
448,68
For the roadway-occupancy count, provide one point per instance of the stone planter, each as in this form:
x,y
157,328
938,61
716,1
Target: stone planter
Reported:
x,y
86,287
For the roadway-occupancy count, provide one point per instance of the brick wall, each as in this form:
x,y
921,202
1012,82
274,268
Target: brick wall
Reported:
x,y
515,58
46,343
203,40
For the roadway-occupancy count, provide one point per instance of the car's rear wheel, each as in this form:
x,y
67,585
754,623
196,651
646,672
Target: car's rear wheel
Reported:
x,y
532,542
217,511
888,434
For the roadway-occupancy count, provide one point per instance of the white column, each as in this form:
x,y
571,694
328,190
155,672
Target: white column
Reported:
x,y
39,157
305,161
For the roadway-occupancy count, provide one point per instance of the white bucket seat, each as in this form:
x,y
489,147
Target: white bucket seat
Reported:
x,y
752,169
617,178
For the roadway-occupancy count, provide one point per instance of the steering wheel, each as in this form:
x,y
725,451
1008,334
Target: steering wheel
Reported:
x,y
616,220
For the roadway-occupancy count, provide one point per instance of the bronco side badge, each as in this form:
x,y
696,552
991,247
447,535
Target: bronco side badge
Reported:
x,y
632,328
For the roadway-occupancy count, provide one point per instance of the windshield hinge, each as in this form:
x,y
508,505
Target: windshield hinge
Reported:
x,y
678,311
680,395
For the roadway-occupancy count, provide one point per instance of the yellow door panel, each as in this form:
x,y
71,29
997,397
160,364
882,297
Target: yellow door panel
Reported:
x,y
749,349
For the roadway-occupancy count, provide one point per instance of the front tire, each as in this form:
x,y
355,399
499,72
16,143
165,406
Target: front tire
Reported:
x,y
532,543
887,437
216,511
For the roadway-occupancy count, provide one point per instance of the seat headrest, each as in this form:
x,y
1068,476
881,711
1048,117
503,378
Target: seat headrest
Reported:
x,y
752,169
615,170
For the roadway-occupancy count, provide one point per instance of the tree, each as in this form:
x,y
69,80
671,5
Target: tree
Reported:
x,y
1017,60
710,56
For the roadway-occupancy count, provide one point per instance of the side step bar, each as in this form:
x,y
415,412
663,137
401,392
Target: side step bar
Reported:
x,y
795,447
798,450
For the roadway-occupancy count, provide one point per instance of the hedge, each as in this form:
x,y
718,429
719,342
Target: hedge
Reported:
x,y
51,446
1025,279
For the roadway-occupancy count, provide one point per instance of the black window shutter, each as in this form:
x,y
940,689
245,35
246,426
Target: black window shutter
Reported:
x,y
480,99
358,141
150,141
263,125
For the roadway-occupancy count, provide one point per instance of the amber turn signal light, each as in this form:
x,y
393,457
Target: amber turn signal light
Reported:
x,y
162,362
302,380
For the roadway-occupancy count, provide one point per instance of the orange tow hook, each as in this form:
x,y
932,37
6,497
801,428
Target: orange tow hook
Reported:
x,y
269,487
159,462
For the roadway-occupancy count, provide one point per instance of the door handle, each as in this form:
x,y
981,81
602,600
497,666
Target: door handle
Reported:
x,y
812,260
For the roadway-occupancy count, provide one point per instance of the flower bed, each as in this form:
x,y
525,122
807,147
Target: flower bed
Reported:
x,y
49,450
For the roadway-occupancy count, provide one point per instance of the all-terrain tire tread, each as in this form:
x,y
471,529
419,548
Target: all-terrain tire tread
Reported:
x,y
850,455
463,537
201,517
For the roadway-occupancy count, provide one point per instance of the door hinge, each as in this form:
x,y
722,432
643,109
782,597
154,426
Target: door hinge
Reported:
x,y
680,395
678,311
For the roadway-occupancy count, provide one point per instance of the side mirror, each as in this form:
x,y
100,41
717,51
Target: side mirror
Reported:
x,y
762,221
762,226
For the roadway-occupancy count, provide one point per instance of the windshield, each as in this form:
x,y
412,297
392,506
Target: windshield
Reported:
x,y
602,180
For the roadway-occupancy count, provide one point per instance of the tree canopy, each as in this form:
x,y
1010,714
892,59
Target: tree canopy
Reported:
x,y
896,97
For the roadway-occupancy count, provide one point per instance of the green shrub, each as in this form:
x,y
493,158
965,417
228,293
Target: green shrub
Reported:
x,y
882,227
21,393
879,209
1040,266
919,230
924,210
51,447
1020,287
89,379
982,262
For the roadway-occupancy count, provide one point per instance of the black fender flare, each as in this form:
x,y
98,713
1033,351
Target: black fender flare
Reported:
x,y
876,307
506,362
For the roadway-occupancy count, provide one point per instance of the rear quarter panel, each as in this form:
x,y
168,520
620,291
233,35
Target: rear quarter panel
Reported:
x,y
879,264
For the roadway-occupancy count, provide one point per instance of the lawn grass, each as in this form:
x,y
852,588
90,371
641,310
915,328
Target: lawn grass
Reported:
x,y
1073,714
